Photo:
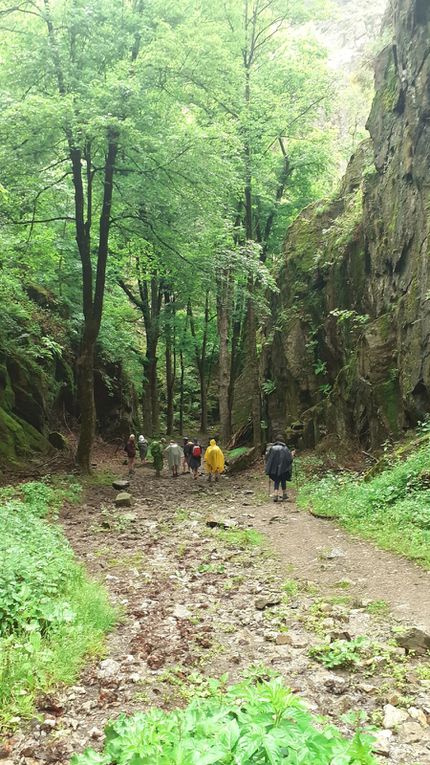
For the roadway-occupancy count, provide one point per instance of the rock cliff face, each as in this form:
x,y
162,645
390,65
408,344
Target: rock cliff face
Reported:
x,y
38,388
348,352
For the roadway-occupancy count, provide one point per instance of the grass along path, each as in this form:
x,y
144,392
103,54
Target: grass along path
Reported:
x,y
191,598
52,617
391,508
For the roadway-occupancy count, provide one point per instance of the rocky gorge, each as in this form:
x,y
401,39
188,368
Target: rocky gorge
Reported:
x,y
347,349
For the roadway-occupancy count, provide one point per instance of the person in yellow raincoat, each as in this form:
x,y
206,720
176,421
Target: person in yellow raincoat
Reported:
x,y
214,460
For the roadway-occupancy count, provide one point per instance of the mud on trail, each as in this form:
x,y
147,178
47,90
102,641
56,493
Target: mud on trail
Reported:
x,y
256,596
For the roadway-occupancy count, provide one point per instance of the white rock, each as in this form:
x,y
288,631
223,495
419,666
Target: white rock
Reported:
x,y
181,612
411,732
393,716
381,744
49,723
108,668
418,715
96,733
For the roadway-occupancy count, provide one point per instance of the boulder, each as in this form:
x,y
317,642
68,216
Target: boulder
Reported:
x,y
295,640
220,523
123,499
415,640
57,440
181,612
266,601
393,716
411,732
336,552
121,484
418,715
282,639
108,668
381,744
243,461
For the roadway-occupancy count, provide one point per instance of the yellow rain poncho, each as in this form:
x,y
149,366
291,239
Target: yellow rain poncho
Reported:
x,y
214,458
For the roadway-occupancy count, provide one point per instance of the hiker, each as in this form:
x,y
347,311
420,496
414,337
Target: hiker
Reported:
x,y
130,450
174,456
187,448
214,460
142,445
279,467
195,458
157,456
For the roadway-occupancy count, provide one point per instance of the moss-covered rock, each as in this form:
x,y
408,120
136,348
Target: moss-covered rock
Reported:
x,y
351,331
19,440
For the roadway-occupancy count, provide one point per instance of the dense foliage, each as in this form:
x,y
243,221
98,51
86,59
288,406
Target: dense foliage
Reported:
x,y
152,157
392,507
262,724
51,615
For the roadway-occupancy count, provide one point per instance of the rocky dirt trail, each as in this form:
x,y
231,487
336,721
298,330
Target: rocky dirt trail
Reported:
x,y
215,579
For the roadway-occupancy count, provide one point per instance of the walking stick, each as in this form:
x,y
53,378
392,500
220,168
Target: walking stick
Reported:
x,y
296,480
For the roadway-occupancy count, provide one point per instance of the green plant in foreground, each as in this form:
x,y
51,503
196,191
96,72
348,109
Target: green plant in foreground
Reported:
x,y
51,615
258,724
340,653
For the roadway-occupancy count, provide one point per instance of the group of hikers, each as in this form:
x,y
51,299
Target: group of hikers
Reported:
x,y
188,457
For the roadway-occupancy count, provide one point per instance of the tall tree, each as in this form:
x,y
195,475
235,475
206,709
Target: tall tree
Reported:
x,y
69,71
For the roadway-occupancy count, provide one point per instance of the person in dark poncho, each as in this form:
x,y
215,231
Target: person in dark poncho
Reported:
x,y
188,448
130,450
279,467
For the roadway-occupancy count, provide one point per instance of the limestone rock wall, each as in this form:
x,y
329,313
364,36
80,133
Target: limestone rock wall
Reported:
x,y
348,350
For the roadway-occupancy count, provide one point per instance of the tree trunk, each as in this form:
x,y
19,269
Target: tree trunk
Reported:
x,y
149,303
170,384
181,393
146,402
252,365
150,400
86,400
170,361
153,393
200,356
223,315
235,357
203,403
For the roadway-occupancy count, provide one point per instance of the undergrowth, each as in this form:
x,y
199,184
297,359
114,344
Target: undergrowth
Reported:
x,y
51,615
393,508
261,723
238,452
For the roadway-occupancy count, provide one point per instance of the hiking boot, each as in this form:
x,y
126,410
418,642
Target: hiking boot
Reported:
x,y
276,498
284,497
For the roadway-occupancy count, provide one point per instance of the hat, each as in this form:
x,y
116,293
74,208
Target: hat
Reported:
x,y
141,438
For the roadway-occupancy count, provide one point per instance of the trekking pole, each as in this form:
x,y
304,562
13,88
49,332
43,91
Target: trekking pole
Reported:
x,y
296,479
